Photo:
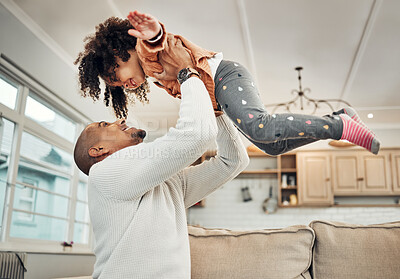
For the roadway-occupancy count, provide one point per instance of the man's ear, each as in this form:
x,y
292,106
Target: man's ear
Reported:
x,y
97,151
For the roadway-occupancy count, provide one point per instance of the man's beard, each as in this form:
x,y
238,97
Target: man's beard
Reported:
x,y
140,134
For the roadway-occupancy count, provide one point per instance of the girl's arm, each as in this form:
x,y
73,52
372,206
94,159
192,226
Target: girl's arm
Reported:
x,y
151,34
152,39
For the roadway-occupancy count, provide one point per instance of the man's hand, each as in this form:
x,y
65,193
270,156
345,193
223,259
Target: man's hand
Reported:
x,y
146,26
174,57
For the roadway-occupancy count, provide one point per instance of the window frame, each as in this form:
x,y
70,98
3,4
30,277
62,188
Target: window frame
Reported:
x,y
32,199
26,84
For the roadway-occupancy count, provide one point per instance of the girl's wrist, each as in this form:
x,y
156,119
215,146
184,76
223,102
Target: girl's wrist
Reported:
x,y
157,36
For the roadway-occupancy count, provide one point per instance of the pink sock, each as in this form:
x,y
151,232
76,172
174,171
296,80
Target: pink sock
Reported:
x,y
354,115
358,134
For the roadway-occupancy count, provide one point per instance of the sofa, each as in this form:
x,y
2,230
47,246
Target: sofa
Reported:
x,y
322,250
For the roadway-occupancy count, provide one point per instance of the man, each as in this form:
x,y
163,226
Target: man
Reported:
x,y
138,192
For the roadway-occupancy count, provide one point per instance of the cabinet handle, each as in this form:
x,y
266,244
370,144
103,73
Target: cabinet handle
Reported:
x,y
360,179
328,179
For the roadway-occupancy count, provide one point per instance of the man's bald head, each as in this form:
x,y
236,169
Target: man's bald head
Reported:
x,y
86,140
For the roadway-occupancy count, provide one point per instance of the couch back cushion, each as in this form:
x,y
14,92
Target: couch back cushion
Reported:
x,y
279,253
356,251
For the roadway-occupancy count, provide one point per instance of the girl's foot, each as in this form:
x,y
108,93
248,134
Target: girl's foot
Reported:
x,y
354,115
359,134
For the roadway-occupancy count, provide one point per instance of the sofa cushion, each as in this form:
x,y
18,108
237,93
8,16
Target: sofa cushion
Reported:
x,y
356,251
278,253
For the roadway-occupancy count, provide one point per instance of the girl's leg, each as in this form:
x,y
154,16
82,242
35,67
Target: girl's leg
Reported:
x,y
279,147
282,146
239,99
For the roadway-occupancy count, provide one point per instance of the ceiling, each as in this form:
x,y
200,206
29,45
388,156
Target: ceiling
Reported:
x,y
348,49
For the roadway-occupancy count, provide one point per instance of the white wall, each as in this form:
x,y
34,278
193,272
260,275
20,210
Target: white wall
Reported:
x,y
388,137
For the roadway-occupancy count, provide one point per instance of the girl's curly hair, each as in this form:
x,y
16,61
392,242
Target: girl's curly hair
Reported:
x,y
98,60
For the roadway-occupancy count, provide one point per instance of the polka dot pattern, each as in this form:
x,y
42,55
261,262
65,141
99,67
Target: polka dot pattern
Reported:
x,y
245,101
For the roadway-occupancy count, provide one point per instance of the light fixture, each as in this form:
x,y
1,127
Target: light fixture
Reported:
x,y
301,98
370,115
340,143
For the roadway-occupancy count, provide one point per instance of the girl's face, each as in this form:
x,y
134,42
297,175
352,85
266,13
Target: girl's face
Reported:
x,y
129,74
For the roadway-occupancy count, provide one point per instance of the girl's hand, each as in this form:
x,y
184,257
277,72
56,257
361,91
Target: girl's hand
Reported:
x,y
145,26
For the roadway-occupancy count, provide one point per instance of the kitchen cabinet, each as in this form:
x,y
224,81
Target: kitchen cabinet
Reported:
x,y
395,162
376,171
361,173
345,171
314,178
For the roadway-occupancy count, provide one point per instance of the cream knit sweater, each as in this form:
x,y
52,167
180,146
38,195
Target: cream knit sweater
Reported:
x,y
138,195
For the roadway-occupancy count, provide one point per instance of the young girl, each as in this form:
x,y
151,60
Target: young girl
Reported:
x,y
124,53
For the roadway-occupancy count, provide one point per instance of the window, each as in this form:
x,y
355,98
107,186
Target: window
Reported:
x,y
43,191
42,153
27,199
51,197
8,92
6,139
82,226
38,110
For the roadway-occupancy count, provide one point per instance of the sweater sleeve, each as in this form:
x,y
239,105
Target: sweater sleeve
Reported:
x,y
149,51
199,181
131,172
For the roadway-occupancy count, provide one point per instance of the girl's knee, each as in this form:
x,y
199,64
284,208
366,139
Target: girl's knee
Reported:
x,y
273,149
273,152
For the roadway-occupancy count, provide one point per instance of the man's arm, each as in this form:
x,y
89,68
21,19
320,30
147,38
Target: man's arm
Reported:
x,y
131,172
199,181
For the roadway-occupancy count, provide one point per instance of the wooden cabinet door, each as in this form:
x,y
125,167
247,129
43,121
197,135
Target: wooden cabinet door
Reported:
x,y
377,171
395,162
345,169
314,178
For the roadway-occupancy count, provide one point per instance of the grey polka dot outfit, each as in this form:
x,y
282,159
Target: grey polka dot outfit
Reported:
x,y
238,98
